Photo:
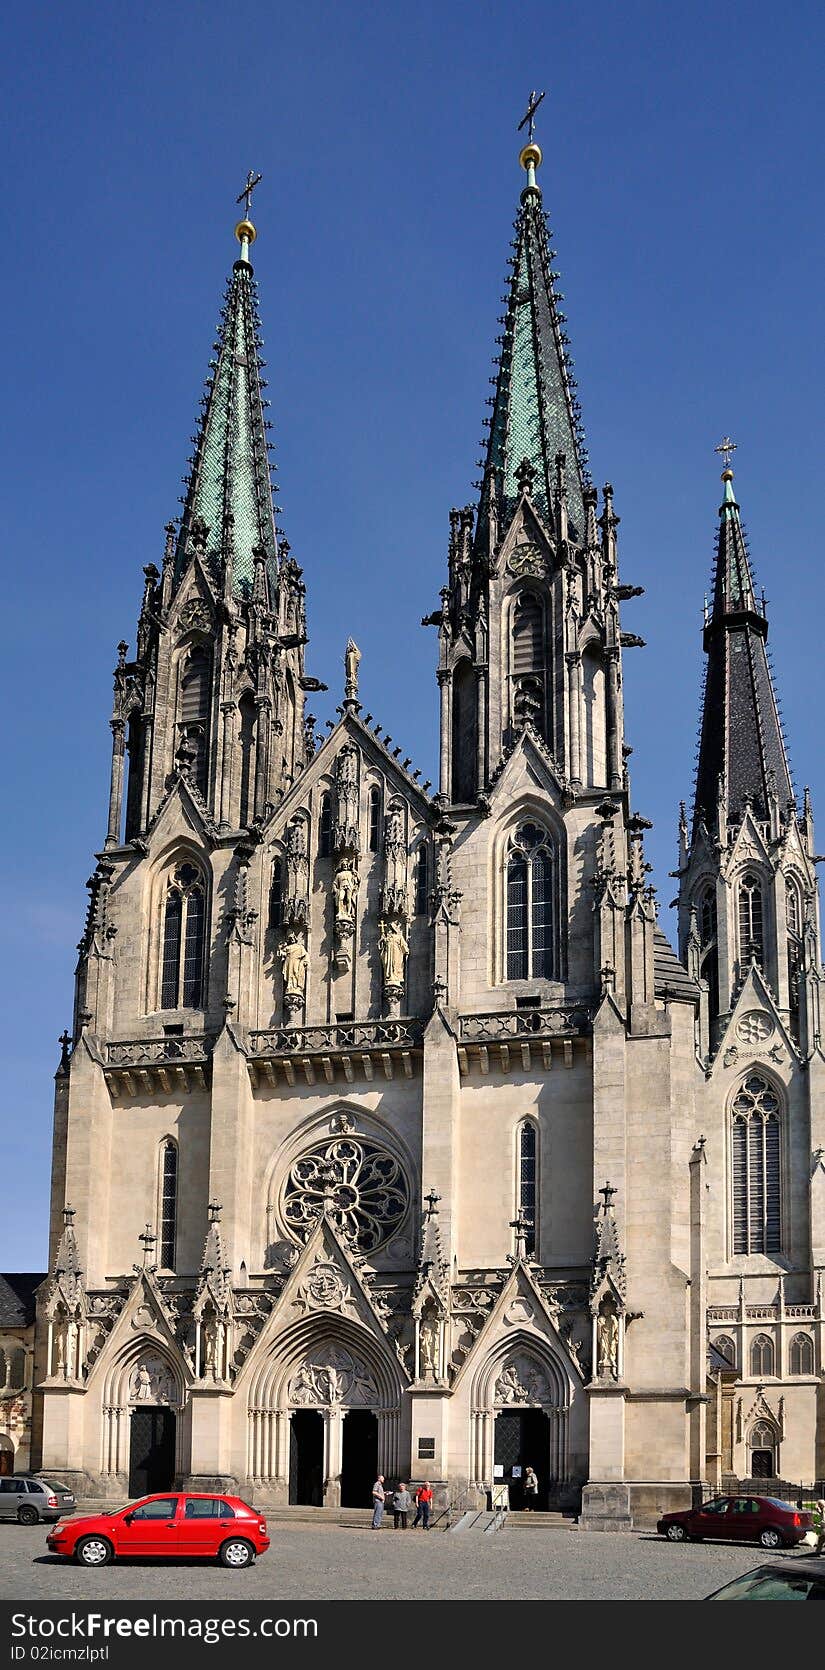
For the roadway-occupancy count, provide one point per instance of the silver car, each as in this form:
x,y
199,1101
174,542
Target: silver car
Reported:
x,y
30,1500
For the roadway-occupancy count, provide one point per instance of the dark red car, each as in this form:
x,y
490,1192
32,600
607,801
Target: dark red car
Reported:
x,y
180,1526
762,1519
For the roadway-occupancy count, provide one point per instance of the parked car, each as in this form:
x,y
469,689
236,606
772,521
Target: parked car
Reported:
x,y
176,1526
797,1579
28,1500
762,1519
66,1499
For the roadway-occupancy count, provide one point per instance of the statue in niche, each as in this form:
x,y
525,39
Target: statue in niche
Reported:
x,y
344,891
293,955
429,1346
394,950
607,1343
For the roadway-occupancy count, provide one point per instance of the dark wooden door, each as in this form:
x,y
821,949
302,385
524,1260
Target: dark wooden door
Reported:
x,y
151,1451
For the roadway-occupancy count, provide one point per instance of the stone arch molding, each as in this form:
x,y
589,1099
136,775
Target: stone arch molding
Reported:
x,y
142,1375
523,1372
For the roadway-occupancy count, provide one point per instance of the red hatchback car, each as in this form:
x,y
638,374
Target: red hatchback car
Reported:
x,y
762,1519
178,1526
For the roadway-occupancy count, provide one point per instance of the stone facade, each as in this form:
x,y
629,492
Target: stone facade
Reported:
x,y
393,1134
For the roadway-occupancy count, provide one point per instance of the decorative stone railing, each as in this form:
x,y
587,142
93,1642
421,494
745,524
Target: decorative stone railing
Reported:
x,y
146,1064
353,1048
762,1313
152,1052
503,1025
405,1033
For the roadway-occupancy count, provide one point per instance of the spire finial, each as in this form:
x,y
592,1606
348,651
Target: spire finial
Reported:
x,y
530,157
245,231
726,449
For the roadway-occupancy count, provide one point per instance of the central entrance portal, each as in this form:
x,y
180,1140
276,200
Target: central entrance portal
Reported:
x,y
151,1450
522,1440
359,1458
306,1458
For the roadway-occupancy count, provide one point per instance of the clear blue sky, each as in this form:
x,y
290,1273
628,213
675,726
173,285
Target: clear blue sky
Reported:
x,y
683,175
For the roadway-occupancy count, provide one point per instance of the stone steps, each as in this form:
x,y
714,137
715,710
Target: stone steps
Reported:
x,y
551,1521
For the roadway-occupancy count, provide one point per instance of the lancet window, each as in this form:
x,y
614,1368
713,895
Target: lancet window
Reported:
x,y
184,940
755,1138
531,930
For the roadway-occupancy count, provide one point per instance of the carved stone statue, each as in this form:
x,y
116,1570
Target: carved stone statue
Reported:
x,y
293,955
394,951
295,909
344,892
345,831
394,891
352,657
429,1345
607,1343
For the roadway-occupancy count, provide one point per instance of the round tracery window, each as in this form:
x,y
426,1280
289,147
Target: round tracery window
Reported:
x,y
363,1184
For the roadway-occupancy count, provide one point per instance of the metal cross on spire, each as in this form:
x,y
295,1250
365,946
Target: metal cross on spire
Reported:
x,y
245,196
529,118
726,449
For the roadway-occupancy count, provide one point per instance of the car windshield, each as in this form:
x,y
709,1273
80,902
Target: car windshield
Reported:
x,y
773,1585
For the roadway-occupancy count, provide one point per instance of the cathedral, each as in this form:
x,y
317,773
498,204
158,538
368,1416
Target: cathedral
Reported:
x,y
392,1134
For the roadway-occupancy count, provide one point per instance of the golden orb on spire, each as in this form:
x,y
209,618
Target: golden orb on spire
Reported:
x,y
530,157
245,232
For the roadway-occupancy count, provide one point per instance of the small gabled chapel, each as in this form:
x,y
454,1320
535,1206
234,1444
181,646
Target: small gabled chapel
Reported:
x,y
392,1135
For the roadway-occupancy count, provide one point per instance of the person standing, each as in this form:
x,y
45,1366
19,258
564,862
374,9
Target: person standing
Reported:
x,y
819,1508
531,1489
401,1504
423,1504
378,1502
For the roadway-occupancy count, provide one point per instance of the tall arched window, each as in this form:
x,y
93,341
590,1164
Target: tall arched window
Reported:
x,y
184,940
709,955
195,702
276,893
422,881
751,942
762,1357
248,714
464,732
726,1348
168,1203
527,1178
325,827
793,924
801,1355
755,1140
532,933
374,818
528,661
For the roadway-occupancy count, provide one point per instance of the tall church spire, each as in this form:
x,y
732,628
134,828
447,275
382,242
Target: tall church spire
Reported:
x,y
229,490
741,737
535,409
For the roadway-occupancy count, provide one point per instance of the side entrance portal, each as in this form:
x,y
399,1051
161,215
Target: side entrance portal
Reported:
x,y
306,1458
522,1440
151,1451
359,1458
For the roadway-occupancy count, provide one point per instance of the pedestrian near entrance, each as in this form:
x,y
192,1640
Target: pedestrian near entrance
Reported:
x,y
401,1504
531,1489
378,1502
819,1508
423,1504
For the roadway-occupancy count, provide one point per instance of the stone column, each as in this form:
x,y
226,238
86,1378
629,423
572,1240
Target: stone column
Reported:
x,y
225,813
481,726
445,687
614,728
263,706
574,699
146,771
116,783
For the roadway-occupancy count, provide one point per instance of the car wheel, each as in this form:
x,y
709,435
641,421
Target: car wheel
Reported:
x,y
93,1551
237,1553
676,1533
27,1516
771,1538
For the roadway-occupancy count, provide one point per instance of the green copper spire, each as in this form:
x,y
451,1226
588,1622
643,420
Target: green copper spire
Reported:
x,y
741,739
535,410
229,491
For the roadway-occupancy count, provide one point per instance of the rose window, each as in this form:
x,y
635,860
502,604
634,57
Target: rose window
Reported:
x,y
361,1186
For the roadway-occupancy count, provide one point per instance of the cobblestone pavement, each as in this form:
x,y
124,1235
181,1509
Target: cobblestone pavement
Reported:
x,y
329,1563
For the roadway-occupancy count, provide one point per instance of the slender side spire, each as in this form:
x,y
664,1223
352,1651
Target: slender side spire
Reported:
x,y
535,409
230,474
741,737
